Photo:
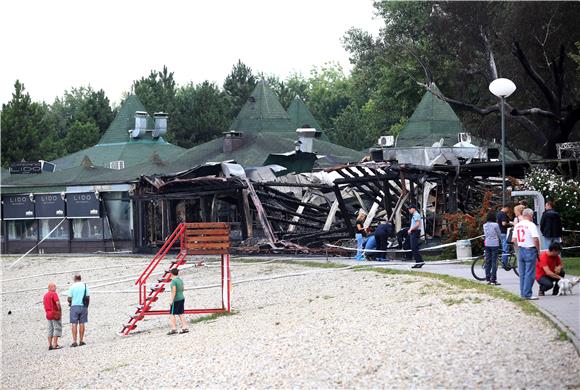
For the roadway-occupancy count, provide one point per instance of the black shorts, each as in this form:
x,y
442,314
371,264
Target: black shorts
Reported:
x,y
177,307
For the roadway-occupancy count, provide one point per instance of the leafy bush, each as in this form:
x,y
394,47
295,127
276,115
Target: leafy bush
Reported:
x,y
564,193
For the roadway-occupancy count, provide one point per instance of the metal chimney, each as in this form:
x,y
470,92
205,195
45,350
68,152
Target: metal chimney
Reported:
x,y
306,137
140,124
233,140
160,119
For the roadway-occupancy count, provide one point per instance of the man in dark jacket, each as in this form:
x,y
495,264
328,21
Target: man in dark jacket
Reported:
x,y
551,225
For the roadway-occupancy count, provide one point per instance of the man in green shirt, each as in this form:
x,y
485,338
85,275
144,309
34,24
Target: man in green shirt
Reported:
x,y
177,303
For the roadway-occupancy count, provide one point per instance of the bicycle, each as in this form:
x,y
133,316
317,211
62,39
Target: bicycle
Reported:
x,y
478,265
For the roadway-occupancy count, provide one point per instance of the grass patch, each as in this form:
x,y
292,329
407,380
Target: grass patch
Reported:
x,y
562,336
572,265
465,284
213,317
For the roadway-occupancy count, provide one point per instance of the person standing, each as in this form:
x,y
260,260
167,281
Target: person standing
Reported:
x,y
550,269
527,238
491,244
177,303
360,234
414,233
53,313
551,225
78,300
503,220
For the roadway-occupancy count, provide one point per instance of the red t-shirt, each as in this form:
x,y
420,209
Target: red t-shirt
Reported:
x,y
546,260
50,307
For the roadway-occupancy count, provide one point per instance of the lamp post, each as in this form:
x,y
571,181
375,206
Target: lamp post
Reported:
x,y
502,88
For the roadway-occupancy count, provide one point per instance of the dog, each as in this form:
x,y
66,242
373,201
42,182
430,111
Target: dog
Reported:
x,y
566,285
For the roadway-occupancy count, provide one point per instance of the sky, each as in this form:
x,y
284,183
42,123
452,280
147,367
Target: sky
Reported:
x,y
52,46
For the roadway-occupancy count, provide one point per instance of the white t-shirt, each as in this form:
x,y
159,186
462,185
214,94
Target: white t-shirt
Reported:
x,y
524,232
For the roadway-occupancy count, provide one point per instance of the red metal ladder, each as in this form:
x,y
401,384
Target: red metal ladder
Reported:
x,y
209,238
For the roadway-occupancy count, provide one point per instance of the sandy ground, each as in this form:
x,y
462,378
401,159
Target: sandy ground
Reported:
x,y
328,328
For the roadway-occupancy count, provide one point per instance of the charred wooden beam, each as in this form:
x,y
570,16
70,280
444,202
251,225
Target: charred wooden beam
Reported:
x,y
345,215
293,223
294,213
303,185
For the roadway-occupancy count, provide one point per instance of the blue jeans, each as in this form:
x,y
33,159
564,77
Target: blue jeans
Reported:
x,y
549,240
491,254
371,244
359,247
527,268
504,250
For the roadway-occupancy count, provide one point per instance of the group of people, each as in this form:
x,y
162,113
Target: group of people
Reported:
x,y
79,299
545,266
376,243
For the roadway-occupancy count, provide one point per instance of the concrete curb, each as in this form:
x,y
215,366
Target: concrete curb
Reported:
x,y
562,326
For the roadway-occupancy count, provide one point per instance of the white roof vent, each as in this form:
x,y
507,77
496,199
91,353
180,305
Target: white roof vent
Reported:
x,y
464,137
386,141
118,165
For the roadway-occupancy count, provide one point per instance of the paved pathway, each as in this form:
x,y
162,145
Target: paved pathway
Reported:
x,y
564,309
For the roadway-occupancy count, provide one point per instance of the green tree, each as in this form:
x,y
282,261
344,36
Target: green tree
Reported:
x,y
199,115
22,127
463,46
81,135
329,94
157,91
81,104
238,86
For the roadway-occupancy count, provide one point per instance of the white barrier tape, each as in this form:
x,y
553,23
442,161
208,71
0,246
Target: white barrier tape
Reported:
x,y
571,231
401,250
122,278
115,280
39,242
74,271
239,281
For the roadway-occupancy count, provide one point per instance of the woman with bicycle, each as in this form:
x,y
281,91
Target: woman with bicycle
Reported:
x,y
492,244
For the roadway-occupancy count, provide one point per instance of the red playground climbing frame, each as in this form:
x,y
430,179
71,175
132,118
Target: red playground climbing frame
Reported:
x,y
211,238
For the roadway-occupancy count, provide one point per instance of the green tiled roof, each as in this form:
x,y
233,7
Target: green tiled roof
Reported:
x,y
432,120
257,147
262,112
131,152
300,115
117,145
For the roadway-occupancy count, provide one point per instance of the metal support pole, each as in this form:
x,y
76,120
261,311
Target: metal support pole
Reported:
x,y
502,152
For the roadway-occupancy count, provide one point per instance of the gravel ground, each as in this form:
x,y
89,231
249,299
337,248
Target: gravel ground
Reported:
x,y
326,329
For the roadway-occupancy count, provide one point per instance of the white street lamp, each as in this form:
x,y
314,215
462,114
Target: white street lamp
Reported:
x,y
502,88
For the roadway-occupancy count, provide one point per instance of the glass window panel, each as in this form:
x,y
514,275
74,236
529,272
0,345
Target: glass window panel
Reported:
x,y
87,228
46,226
119,213
22,230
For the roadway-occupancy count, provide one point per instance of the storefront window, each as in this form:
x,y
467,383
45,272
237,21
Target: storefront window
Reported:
x,y
87,228
118,210
22,230
61,232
